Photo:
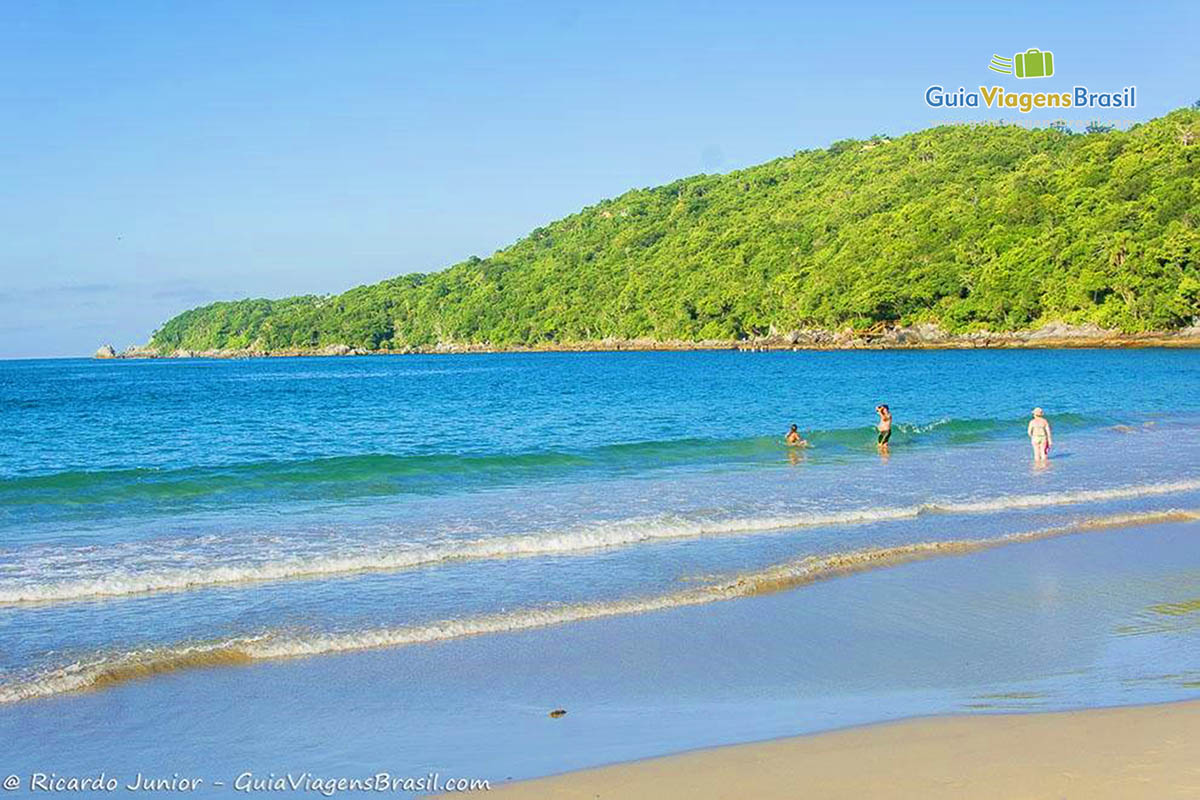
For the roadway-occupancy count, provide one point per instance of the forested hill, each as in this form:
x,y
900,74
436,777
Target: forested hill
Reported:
x,y
991,227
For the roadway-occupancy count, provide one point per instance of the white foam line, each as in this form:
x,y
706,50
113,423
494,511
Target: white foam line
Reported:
x,y
1064,498
122,584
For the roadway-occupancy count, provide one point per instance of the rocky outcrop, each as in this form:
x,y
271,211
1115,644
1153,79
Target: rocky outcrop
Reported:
x,y
894,337
1062,331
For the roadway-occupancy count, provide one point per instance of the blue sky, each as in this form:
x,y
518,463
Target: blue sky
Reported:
x,y
159,155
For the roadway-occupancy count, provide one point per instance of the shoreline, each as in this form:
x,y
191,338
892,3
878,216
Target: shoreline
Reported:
x,y
1148,751
921,337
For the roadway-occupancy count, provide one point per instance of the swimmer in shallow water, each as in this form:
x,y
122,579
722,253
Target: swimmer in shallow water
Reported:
x,y
794,439
884,427
1039,435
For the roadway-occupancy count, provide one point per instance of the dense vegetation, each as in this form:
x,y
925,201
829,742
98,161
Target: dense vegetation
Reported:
x,y
987,227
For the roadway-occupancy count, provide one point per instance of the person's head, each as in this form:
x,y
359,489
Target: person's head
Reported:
x,y
1037,412
882,409
793,428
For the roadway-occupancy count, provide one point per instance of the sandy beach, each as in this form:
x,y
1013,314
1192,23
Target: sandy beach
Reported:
x,y
1139,752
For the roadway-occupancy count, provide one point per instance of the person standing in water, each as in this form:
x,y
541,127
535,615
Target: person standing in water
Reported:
x,y
1039,435
884,427
794,439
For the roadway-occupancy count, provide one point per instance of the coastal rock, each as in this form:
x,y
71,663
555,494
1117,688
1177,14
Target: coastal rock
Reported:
x,y
809,338
924,333
1061,330
223,353
845,338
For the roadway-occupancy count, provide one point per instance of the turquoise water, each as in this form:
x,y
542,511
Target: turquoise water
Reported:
x,y
427,553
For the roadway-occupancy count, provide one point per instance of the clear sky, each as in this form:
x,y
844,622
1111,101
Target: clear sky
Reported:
x,y
155,156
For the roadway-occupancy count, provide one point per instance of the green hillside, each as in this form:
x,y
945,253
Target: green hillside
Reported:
x,y
989,227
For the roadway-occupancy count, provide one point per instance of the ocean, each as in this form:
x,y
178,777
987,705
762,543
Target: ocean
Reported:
x,y
337,566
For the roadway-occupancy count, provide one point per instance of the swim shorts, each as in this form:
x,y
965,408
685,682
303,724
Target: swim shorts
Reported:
x,y
884,436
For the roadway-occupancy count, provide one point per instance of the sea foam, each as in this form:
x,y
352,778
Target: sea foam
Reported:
x,y
120,583
112,668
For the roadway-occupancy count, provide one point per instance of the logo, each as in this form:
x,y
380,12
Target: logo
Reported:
x,y
1033,63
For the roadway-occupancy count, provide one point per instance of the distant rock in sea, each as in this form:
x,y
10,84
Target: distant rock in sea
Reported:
x,y
106,351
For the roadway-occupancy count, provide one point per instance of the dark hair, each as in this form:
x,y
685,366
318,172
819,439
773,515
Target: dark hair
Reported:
x,y
884,406
793,426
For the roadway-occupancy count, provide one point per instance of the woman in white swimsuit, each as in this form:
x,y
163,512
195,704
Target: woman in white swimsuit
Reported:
x,y
1039,435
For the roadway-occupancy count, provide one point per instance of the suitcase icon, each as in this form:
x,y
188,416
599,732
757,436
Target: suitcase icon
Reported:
x,y
1034,63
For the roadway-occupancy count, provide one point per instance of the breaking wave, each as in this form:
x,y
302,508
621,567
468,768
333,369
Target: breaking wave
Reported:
x,y
560,543
108,669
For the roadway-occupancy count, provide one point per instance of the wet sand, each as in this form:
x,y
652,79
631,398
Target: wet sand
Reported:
x,y
1129,753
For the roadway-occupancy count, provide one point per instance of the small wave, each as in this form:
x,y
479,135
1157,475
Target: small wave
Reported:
x,y
110,669
1014,502
383,474
539,544
597,537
